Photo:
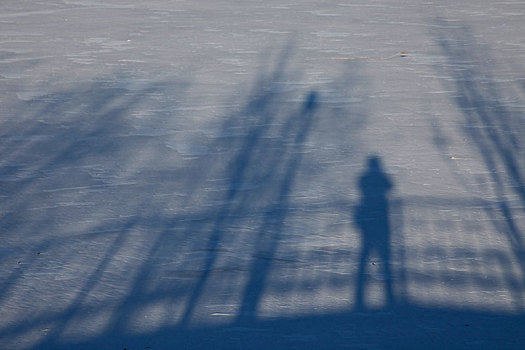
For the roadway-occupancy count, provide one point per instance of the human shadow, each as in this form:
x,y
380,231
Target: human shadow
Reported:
x,y
371,217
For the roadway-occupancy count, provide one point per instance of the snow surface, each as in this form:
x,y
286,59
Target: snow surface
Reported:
x,y
205,175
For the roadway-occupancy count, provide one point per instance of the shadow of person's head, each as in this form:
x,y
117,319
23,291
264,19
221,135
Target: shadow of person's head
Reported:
x,y
374,181
374,164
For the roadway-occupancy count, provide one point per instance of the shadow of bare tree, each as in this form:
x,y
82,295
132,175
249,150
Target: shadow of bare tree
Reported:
x,y
146,225
491,124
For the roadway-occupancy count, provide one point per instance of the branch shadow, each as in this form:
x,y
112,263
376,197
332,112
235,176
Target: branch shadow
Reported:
x,y
495,128
186,224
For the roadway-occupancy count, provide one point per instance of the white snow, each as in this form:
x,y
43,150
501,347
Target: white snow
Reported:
x,y
204,175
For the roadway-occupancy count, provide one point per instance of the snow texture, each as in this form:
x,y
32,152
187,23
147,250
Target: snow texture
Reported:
x,y
207,175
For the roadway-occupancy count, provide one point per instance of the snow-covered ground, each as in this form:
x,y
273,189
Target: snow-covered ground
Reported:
x,y
205,174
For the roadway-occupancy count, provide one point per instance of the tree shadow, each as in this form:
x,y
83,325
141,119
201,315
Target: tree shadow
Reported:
x,y
182,228
272,225
256,181
66,151
247,172
492,124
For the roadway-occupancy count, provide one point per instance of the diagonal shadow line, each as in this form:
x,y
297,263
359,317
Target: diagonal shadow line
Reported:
x,y
75,306
66,144
485,118
481,106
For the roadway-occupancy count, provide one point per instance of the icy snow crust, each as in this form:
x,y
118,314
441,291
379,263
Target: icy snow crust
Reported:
x,y
204,175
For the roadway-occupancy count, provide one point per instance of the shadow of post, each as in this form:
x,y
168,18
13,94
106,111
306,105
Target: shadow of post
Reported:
x,y
371,216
